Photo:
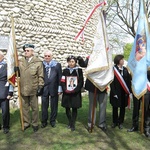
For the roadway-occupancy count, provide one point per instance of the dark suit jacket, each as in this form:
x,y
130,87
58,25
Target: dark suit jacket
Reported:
x,y
3,80
52,83
117,89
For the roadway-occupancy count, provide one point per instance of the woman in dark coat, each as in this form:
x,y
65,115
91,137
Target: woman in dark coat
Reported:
x,y
71,97
118,95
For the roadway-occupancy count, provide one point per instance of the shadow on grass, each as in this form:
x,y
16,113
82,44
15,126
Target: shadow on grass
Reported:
x,y
60,138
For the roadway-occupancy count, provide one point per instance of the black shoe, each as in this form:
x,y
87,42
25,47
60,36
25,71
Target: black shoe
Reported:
x,y
147,134
5,130
26,127
43,125
68,127
120,126
72,128
114,125
53,125
103,128
35,128
132,129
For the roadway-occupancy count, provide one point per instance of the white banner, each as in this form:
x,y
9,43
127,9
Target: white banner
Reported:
x,y
100,67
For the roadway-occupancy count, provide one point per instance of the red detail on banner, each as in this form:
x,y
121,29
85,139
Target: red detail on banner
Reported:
x,y
12,80
88,18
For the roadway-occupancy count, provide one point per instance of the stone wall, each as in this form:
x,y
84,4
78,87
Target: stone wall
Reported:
x,y
49,25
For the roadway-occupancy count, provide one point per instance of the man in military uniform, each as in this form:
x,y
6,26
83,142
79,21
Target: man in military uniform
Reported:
x,y
31,82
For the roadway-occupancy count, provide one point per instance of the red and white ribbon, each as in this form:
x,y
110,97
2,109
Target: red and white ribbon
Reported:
x,y
81,32
123,84
148,85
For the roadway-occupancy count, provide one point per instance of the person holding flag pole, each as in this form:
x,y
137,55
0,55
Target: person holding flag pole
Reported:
x,y
95,95
99,73
139,64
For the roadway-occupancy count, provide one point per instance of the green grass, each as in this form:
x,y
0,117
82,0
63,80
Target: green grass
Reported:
x,y
60,138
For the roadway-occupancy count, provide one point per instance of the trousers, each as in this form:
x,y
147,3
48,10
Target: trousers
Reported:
x,y
27,102
4,104
101,100
53,102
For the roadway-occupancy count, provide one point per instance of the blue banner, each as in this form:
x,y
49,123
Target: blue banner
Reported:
x,y
139,59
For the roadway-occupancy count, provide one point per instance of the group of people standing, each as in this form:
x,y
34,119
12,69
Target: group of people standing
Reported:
x,y
47,79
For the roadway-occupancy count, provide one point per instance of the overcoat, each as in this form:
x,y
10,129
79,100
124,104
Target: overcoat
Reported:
x,y
117,89
72,100
31,75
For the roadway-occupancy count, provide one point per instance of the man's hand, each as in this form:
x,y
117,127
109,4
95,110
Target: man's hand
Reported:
x,y
39,91
79,58
16,69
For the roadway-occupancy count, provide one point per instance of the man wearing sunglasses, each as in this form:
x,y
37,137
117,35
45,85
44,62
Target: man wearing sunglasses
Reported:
x,y
52,88
31,83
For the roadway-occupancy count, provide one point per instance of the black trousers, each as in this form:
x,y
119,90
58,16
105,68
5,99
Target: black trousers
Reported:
x,y
136,109
71,116
53,101
118,118
4,104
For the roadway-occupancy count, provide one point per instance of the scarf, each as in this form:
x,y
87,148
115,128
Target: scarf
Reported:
x,y
71,69
51,64
2,62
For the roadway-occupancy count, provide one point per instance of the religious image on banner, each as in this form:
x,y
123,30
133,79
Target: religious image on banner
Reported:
x,y
140,46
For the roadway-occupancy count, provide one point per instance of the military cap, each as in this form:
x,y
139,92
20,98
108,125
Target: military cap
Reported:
x,y
28,46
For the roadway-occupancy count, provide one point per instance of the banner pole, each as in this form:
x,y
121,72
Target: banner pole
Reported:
x,y
17,73
142,116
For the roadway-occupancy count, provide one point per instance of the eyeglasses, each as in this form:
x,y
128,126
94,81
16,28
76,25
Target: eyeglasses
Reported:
x,y
47,56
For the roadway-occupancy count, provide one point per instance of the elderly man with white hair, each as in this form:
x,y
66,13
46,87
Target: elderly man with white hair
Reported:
x,y
52,88
6,92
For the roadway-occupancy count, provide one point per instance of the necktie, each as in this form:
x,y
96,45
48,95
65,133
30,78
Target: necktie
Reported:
x,y
47,72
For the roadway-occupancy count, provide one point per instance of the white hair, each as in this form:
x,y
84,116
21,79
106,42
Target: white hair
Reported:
x,y
1,53
49,52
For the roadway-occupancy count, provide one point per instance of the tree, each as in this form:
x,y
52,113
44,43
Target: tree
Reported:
x,y
127,49
122,19
124,14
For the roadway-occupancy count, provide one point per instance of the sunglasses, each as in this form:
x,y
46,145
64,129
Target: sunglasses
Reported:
x,y
47,56
27,50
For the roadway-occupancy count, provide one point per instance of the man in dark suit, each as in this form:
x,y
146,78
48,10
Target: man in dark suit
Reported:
x,y
136,112
52,88
6,92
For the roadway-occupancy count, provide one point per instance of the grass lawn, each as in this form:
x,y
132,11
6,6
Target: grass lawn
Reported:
x,y
61,138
